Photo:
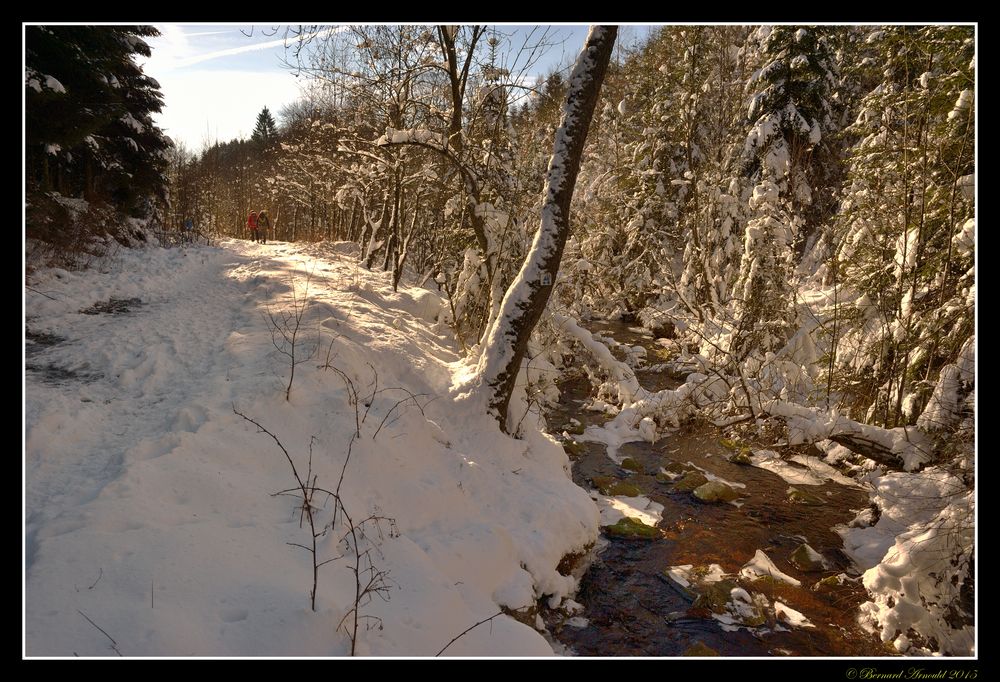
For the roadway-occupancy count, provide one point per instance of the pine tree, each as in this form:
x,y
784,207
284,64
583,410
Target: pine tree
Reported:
x,y
790,110
266,131
89,113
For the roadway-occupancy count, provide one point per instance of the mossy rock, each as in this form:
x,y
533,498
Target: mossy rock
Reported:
x,y
756,620
603,482
664,478
624,489
631,529
700,649
768,583
729,444
665,354
631,465
831,586
715,491
802,497
573,448
741,457
753,613
698,573
714,596
609,485
805,558
574,429
829,582
691,480
890,649
678,468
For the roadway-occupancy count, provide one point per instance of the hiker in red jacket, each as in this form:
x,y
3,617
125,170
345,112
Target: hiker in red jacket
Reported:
x,y
252,225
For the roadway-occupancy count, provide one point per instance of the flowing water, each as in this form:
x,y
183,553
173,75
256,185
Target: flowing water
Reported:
x,y
632,608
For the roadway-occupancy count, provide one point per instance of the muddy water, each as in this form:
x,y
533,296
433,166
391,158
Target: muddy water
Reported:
x,y
633,609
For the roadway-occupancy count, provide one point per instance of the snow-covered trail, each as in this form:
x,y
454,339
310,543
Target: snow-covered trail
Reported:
x,y
149,507
112,413
146,375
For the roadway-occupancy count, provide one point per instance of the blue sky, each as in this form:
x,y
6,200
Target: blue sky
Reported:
x,y
216,78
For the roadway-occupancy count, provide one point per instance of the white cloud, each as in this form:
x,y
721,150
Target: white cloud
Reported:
x,y
242,49
205,33
205,104
171,46
173,50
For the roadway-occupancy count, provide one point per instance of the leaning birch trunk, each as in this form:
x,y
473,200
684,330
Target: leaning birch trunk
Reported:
x,y
507,338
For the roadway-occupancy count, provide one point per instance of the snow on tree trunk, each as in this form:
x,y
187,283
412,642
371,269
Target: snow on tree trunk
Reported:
x,y
524,302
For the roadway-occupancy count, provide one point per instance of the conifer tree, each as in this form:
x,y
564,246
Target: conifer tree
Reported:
x,y
266,130
789,109
89,107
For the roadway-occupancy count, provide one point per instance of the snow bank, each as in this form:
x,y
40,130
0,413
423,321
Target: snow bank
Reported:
x,y
148,502
916,557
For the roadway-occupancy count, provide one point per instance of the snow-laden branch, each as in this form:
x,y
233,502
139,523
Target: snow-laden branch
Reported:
x,y
422,136
628,385
669,405
906,447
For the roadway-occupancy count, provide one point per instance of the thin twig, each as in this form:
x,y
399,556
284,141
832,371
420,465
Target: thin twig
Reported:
x,y
99,576
114,644
485,620
41,293
412,397
371,398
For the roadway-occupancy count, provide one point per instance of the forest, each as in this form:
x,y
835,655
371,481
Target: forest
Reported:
x,y
759,238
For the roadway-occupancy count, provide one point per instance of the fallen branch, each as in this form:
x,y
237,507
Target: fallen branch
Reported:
x,y
903,448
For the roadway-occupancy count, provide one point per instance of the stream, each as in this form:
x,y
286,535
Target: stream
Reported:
x,y
631,607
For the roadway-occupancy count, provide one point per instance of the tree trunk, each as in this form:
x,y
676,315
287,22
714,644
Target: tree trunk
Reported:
x,y
350,223
527,297
397,272
393,234
370,249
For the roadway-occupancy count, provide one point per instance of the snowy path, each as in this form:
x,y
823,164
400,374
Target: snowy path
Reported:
x,y
149,507
146,376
